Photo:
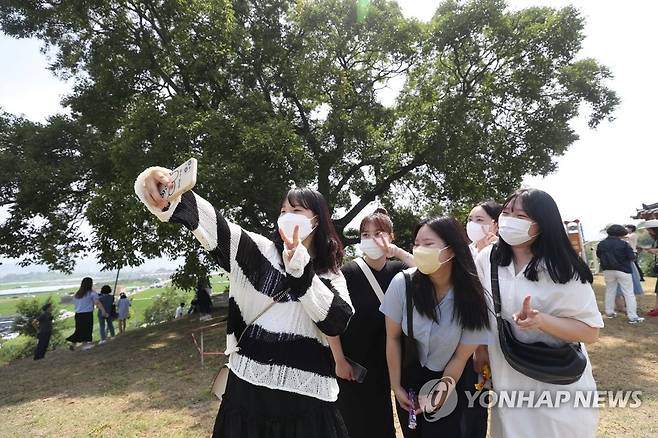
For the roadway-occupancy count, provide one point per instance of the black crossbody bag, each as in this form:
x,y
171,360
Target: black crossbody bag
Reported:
x,y
556,365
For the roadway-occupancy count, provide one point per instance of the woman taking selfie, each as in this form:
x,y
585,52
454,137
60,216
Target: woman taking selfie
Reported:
x,y
545,295
286,296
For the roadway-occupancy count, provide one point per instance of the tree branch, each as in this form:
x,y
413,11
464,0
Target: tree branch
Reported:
x,y
376,191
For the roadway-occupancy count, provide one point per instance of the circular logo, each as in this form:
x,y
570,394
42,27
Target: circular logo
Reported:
x,y
438,398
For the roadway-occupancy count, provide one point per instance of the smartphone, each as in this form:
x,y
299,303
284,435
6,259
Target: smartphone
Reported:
x,y
184,178
358,370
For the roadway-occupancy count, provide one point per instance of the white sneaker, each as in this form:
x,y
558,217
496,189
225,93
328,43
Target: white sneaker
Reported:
x,y
102,341
87,347
611,315
205,318
636,320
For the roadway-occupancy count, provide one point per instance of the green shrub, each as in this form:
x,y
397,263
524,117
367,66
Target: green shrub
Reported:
x,y
164,306
17,348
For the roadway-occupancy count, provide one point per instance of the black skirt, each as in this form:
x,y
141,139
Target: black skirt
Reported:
x,y
84,325
367,409
254,411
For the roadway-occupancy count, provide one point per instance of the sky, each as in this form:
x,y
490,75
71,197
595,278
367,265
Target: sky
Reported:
x,y
603,177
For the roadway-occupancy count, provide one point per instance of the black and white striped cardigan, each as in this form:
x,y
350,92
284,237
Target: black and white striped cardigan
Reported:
x,y
286,348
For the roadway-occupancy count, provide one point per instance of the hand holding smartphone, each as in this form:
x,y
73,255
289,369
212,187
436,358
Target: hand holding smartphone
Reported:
x,y
183,180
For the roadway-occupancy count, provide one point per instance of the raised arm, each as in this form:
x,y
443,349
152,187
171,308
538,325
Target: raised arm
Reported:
x,y
218,236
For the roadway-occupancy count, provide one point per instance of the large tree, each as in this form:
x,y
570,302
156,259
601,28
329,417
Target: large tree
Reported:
x,y
267,94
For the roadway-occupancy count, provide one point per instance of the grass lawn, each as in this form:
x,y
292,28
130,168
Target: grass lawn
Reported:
x,y
148,382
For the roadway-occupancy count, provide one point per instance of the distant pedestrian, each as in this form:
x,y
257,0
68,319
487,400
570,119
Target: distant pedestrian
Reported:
x,y
123,310
616,257
203,292
84,300
44,326
652,228
104,318
180,311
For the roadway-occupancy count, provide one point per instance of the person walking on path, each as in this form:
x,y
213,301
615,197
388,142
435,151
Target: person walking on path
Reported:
x,y
104,318
123,311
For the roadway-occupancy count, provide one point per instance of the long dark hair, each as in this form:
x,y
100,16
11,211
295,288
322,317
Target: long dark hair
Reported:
x,y
492,208
327,244
85,286
552,246
470,308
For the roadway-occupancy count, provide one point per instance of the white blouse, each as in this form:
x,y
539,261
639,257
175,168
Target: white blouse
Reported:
x,y
571,300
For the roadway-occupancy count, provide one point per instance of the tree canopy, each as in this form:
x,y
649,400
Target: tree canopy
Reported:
x,y
270,94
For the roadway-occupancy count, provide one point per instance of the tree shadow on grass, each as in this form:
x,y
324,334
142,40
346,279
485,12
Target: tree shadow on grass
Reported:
x,y
154,369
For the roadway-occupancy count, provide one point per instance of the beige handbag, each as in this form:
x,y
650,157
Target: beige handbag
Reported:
x,y
220,381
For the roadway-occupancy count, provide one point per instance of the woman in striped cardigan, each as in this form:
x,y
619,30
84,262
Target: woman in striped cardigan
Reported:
x,y
282,383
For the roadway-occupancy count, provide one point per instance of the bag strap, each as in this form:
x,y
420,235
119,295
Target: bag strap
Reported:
x,y
268,307
410,305
495,286
371,278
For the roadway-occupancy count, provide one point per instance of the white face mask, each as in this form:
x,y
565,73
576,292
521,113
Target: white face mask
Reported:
x,y
288,221
477,231
370,248
513,230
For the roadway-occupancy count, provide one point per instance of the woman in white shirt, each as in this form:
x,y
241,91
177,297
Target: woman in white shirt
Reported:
x,y
482,225
84,300
546,294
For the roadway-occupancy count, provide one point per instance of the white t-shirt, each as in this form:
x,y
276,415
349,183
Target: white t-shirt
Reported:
x,y
572,300
179,312
86,303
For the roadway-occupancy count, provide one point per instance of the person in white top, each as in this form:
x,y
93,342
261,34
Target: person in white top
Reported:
x,y
179,311
546,294
482,231
482,225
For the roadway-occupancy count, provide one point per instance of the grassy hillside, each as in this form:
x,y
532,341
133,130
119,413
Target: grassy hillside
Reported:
x,y
149,382
145,383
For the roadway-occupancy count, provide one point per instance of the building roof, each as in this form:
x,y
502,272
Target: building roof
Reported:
x,y
648,211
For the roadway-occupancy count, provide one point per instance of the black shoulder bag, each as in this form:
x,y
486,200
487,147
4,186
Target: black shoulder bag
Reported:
x,y
410,363
556,365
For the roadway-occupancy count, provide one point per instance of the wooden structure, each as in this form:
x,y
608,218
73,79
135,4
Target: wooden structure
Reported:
x,y
576,237
647,212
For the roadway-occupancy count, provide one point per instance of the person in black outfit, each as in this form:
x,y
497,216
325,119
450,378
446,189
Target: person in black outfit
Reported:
x,y
44,326
366,407
203,296
616,256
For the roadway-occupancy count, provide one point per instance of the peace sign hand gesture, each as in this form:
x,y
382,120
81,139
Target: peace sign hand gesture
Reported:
x,y
389,249
290,245
528,318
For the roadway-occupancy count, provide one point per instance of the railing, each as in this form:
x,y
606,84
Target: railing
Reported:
x,y
199,344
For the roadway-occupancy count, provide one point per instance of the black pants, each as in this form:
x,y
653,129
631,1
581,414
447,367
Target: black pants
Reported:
x,y
448,426
474,419
42,345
